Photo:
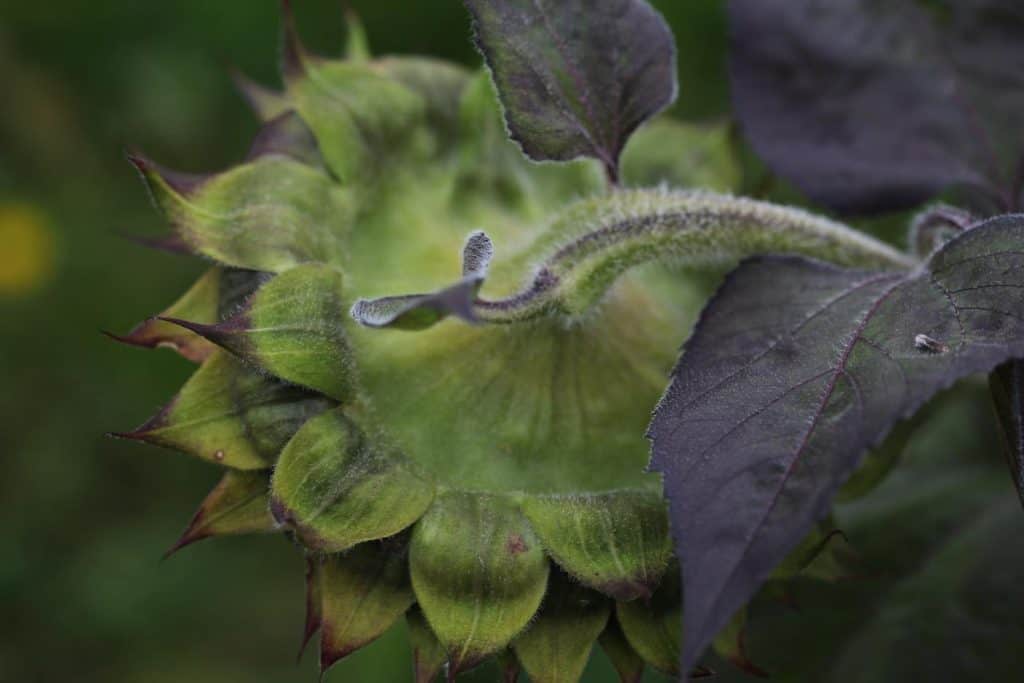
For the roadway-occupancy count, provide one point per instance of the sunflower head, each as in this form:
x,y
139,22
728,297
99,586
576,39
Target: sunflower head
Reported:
x,y
430,362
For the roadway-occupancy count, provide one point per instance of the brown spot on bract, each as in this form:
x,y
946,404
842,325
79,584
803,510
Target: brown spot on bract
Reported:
x,y
218,456
516,545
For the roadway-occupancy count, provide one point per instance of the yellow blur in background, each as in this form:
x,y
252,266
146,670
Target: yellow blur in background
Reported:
x,y
27,249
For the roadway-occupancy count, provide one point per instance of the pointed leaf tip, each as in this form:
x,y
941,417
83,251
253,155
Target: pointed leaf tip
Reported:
x,y
364,592
357,46
236,505
231,415
170,244
265,102
160,179
293,53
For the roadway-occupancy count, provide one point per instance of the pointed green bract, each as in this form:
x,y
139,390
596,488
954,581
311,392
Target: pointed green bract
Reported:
x,y
269,214
556,646
617,543
266,103
217,293
360,117
357,44
439,83
335,486
238,504
479,573
231,415
428,655
364,592
653,627
628,664
292,327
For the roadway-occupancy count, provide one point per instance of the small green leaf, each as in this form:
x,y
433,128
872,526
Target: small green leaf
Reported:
x,y
231,415
628,664
479,573
215,295
268,214
293,328
617,543
577,77
364,592
336,487
556,646
238,504
428,655
653,627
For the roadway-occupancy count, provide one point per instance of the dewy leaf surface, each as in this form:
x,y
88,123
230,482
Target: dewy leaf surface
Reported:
x,y
576,77
869,106
795,369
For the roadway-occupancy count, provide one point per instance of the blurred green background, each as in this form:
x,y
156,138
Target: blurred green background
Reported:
x,y
84,595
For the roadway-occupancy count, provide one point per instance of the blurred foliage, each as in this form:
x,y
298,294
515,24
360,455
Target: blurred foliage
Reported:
x,y
83,594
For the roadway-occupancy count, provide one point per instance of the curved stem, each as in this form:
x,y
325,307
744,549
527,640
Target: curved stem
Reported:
x,y
582,254
695,229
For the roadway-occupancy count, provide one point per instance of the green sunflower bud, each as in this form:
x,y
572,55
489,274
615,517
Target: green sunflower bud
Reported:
x,y
452,428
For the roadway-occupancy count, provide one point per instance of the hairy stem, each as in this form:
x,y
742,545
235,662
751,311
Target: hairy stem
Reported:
x,y
595,241
695,229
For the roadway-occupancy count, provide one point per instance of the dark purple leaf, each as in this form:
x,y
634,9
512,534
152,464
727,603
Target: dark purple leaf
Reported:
x,y
576,77
795,369
1007,384
870,106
